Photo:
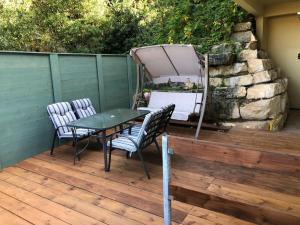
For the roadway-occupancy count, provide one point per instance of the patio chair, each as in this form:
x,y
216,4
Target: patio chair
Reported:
x,y
83,108
167,112
61,114
135,144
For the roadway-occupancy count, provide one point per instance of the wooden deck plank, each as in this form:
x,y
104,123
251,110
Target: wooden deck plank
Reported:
x,y
193,220
70,202
8,218
47,206
89,197
127,195
259,140
218,218
27,212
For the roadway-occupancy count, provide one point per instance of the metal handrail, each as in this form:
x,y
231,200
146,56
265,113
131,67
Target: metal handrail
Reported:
x,y
166,152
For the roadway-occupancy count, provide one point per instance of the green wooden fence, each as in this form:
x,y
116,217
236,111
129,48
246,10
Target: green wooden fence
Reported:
x,y
31,81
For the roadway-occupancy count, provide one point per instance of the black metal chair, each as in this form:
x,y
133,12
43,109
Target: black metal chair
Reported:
x,y
167,112
135,144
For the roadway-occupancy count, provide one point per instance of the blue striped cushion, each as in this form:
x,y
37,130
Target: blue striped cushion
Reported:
x,y
135,129
79,133
124,143
83,107
61,114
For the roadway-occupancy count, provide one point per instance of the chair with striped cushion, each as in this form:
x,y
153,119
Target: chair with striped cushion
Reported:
x,y
61,114
83,107
136,143
167,112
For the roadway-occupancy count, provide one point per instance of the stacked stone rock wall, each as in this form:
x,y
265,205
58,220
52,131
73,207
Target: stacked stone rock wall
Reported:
x,y
247,90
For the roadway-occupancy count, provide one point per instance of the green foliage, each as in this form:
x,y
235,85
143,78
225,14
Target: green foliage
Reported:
x,y
114,26
199,22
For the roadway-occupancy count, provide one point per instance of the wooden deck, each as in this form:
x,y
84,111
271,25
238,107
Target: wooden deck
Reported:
x,y
215,181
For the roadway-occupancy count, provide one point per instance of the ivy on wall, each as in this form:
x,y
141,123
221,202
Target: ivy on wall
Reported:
x,y
114,26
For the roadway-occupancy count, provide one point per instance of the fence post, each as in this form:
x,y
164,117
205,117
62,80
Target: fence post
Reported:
x,y
166,179
99,62
55,77
129,77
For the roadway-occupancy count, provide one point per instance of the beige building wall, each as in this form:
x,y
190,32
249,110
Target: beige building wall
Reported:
x,y
283,46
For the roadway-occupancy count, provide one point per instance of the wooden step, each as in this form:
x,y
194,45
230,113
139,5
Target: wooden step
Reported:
x,y
236,154
249,194
203,216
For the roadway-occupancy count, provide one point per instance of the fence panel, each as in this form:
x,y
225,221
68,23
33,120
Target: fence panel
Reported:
x,y
115,82
25,91
31,81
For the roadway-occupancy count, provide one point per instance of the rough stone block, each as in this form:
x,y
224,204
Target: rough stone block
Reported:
x,y
267,90
258,65
242,27
244,80
215,82
278,122
262,109
226,109
284,102
252,45
243,37
245,55
265,76
221,59
256,125
222,48
223,71
229,93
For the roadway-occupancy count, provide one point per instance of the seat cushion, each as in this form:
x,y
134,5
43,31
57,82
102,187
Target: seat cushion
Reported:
x,y
79,133
83,107
124,143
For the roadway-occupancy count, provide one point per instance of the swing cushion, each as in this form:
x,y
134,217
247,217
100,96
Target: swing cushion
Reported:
x,y
185,103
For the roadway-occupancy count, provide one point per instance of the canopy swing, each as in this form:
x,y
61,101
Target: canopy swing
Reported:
x,y
173,64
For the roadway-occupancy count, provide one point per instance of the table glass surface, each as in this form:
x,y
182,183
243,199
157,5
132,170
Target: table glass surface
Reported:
x,y
108,119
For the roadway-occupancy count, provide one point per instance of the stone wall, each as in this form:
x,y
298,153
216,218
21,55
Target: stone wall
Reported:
x,y
246,89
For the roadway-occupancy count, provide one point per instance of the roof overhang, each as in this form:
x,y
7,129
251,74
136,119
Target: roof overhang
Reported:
x,y
270,8
169,60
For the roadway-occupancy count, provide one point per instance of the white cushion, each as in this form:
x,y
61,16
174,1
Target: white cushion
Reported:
x,y
185,103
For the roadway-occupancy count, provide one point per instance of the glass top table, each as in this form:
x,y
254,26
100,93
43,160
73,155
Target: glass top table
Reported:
x,y
104,121
108,119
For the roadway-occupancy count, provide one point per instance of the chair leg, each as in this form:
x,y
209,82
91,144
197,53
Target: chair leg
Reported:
x,y
98,143
143,163
75,151
109,157
127,155
53,143
157,146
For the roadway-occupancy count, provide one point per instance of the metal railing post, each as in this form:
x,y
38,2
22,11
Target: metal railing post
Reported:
x,y
166,179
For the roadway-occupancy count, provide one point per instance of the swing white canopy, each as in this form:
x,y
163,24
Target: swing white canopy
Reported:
x,y
175,63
